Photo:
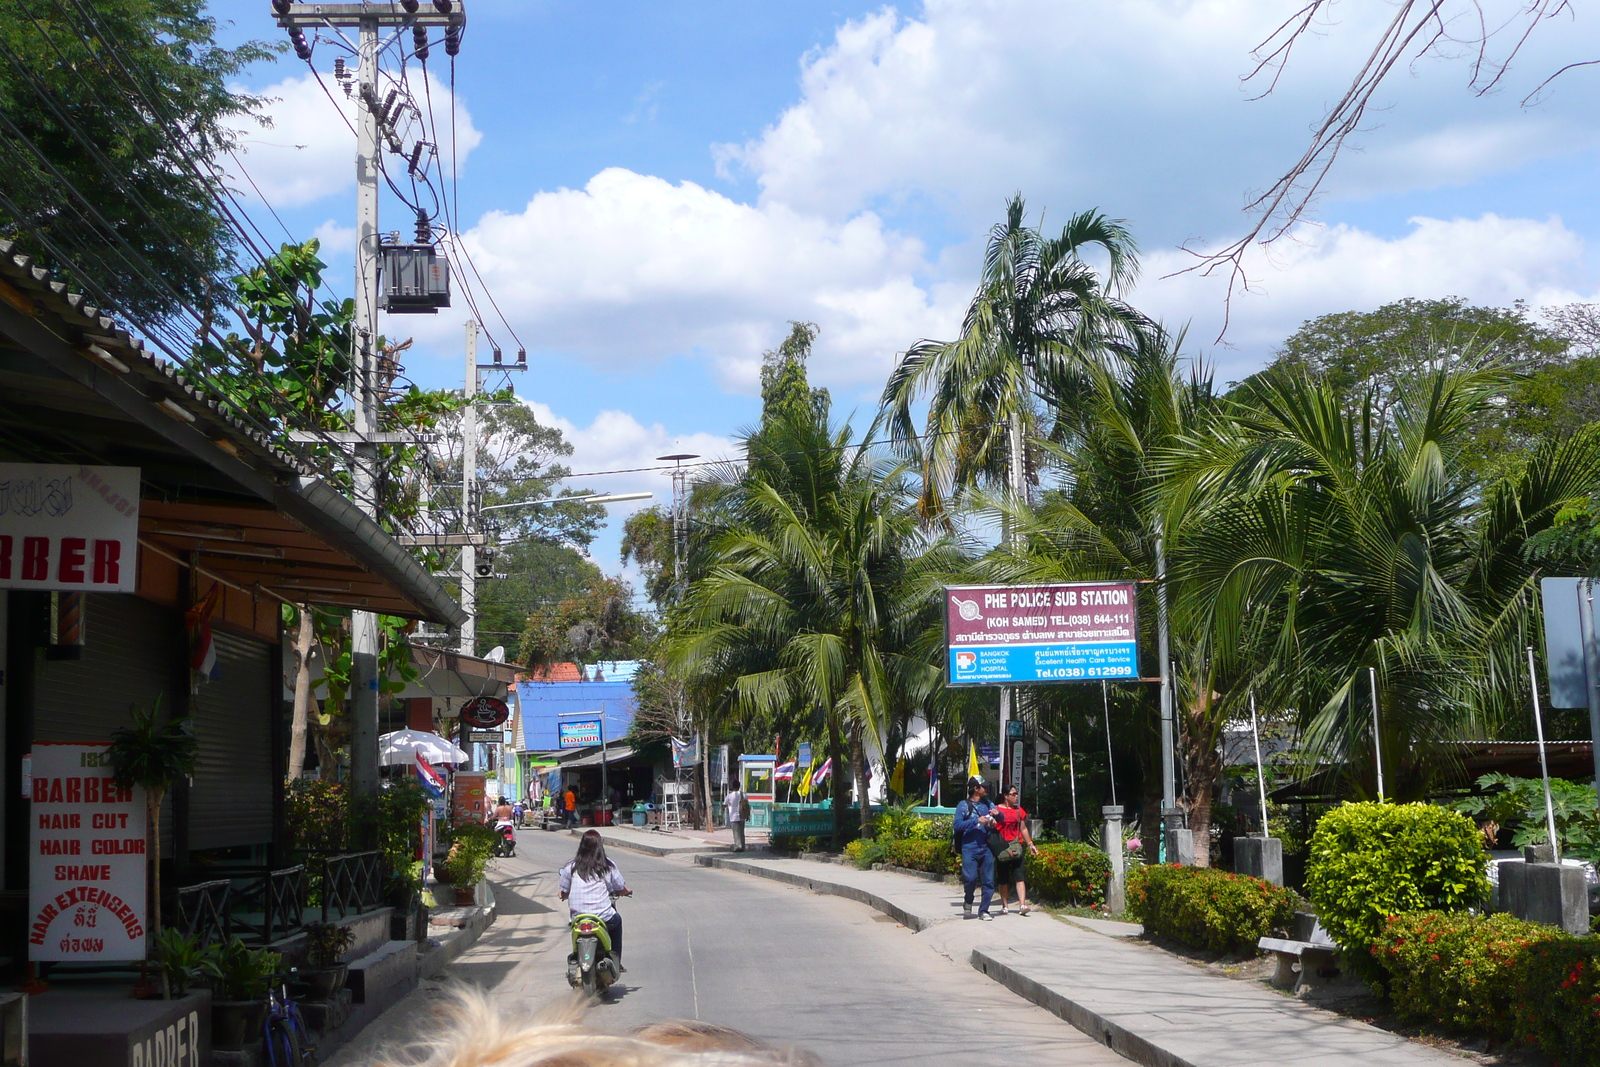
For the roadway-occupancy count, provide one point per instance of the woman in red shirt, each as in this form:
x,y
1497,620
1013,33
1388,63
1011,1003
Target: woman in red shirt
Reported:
x,y
1011,823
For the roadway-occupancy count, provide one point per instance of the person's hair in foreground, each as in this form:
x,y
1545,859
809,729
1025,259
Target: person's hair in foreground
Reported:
x,y
471,1029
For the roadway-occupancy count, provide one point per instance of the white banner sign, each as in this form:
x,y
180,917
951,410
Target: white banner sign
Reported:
x,y
68,527
86,873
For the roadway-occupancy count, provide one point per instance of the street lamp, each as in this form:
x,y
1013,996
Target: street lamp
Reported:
x,y
594,498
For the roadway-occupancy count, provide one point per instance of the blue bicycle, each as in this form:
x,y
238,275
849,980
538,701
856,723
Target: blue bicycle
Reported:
x,y
287,1037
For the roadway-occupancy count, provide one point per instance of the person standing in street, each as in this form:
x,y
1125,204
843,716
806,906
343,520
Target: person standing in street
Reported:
x,y
1011,823
974,819
735,806
569,803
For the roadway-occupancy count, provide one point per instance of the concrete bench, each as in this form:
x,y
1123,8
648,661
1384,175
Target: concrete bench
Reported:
x,y
1300,963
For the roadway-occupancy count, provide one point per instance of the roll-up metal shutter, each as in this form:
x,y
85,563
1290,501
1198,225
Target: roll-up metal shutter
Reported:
x,y
231,800
133,654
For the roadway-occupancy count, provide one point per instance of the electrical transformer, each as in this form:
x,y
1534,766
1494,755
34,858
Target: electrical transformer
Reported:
x,y
414,279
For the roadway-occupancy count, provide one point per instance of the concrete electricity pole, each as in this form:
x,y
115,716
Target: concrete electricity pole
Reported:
x,y
368,20
469,496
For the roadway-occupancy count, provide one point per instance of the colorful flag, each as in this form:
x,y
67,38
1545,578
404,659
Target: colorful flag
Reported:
x,y
784,772
973,770
822,773
202,650
802,784
429,778
897,780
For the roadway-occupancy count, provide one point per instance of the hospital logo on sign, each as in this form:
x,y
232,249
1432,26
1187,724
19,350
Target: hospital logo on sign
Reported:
x,y
966,661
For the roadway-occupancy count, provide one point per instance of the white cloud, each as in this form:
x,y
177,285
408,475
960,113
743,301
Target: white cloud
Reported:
x,y
1489,260
631,269
309,150
1135,107
336,240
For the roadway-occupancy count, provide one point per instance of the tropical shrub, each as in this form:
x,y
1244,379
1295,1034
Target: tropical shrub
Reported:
x,y
935,828
1206,908
1455,968
797,843
932,856
471,847
1371,861
865,851
1557,1005
895,824
1068,873
244,973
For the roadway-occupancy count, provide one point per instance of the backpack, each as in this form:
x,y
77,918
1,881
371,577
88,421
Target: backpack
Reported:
x,y
955,835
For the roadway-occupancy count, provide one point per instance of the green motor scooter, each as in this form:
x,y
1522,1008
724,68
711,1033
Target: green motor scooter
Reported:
x,y
591,966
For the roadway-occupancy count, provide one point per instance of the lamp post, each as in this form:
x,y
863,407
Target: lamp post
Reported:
x,y
680,529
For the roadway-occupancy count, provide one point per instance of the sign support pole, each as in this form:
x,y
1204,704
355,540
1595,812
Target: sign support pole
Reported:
x,y
1544,766
1591,666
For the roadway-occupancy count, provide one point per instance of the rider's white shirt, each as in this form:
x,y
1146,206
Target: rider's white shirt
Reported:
x,y
587,897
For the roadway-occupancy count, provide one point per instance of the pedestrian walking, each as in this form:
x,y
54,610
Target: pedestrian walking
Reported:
x,y
974,819
737,808
569,803
1012,848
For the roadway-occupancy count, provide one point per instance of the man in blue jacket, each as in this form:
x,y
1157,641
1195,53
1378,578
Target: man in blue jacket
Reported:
x,y
973,822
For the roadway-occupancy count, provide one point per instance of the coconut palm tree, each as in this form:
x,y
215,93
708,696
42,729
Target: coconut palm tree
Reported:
x,y
1041,314
1334,541
813,591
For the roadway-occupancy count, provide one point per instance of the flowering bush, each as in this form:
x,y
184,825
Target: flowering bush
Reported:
x,y
918,855
1371,861
1208,909
1455,968
1068,873
1557,1005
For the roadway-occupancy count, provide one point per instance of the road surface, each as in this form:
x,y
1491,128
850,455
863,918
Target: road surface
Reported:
x,y
781,963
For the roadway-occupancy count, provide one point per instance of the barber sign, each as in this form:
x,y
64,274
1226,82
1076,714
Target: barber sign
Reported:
x,y
68,527
86,872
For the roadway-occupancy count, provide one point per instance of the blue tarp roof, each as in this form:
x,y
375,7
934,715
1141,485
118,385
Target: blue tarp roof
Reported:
x,y
544,705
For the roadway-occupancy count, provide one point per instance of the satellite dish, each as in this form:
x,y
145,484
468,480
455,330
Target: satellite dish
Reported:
x,y
497,654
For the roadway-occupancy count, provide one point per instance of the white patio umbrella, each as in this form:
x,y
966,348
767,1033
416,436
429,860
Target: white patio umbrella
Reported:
x,y
403,746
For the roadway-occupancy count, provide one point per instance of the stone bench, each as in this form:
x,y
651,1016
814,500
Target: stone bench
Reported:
x,y
1300,963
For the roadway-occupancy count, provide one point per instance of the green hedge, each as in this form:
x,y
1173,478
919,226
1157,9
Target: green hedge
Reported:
x,y
1208,909
918,855
1068,873
1558,998
1457,969
1371,861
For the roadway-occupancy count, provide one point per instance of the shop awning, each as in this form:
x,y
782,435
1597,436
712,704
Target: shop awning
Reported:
x,y
613,754
455,674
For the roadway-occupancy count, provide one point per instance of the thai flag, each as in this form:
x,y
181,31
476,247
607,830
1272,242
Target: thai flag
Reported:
x,y
430,779
202,649
784,773
822,773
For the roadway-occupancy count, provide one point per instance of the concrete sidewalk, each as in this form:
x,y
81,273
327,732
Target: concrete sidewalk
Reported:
x,y
654,842
1141,1002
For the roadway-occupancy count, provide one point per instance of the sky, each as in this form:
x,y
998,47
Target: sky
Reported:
x,y
653,191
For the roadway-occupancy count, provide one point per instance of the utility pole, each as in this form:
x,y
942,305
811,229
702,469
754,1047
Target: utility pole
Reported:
x,y
1010,703
680,536
1171,817
367,20
469,494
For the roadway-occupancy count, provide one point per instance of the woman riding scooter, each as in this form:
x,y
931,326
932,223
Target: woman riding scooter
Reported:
x,y
589,883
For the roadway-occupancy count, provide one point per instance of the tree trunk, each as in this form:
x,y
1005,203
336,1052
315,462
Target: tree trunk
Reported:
x,y
858,758
705,774
302,695
152,803
1202,766
836,754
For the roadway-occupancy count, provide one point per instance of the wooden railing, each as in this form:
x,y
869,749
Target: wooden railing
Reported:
x,y
203,911
269,905
351,883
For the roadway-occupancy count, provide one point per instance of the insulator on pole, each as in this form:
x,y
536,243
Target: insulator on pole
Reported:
x,y
416,157
522,357
424,227
443,6
301,47
409,6
339,71
388,106
497,357
282,6
452,35
419,42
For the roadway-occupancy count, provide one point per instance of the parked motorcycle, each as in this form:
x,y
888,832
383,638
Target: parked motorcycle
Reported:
x,y
591,965
506,846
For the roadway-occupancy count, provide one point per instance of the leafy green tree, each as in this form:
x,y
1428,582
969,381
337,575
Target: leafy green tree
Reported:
x,y
597,623
1041,315
114,115
1366,541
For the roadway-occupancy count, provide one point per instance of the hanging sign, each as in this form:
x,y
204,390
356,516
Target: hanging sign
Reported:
x,y
86,871
579,734
803,754
69,527
1028,634
485,713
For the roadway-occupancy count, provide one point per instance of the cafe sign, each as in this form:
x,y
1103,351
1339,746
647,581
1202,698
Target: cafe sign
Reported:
x,y
86,870
68,527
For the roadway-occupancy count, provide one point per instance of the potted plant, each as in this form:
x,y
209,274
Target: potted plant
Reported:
x,y
153,757
183,961
469,855
243,978
326,944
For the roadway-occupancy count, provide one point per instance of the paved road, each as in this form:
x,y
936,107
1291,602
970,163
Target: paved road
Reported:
x,y
781,963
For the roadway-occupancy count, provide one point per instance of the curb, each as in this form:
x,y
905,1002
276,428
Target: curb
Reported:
x,y
1114,1037
657,850
911,921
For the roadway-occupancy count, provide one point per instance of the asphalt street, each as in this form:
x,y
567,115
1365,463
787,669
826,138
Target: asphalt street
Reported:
x,y
778,962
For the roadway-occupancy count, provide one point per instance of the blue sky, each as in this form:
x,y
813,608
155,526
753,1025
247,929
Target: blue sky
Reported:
x,y
654,189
